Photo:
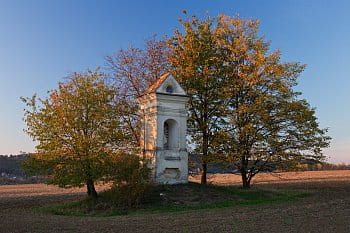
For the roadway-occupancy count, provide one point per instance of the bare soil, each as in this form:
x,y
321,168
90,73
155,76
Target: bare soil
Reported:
x,y
326,210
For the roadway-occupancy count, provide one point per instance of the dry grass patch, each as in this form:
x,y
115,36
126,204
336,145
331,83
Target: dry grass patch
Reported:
x,y
279,177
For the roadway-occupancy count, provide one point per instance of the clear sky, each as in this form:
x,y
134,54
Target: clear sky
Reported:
x,y
41,41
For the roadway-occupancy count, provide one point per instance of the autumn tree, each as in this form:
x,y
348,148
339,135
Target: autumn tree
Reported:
x,y
132,71
77,130
243,108
197,64
268,124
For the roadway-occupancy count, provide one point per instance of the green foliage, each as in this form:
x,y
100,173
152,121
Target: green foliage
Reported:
x,y
129,195
197,64
174,198
243,109
267,124
131,184
76,128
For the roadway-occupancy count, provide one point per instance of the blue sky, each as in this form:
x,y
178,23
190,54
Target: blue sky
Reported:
x,y
42,41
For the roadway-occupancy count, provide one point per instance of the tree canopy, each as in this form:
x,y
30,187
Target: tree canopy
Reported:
x,y
76,128
243,109
132,71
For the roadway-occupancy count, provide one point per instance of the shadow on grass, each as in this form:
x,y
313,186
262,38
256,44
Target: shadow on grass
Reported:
x,y
174,198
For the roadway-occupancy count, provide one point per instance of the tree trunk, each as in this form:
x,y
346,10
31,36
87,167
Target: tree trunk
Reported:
x,y
245,181
204,173
91,191
204,158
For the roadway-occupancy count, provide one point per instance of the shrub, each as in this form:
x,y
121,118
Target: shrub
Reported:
x,y
131,184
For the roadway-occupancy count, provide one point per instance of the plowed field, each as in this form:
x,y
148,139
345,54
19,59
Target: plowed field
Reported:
x,y
326,210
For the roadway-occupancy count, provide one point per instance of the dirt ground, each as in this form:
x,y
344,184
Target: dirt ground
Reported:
x,y
326,210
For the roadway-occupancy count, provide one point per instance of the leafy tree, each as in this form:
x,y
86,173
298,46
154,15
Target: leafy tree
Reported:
x,y
132,71
77,130
243,108
197,64
267,123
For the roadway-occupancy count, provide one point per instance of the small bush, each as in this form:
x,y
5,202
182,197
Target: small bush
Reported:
x,y
131,183
128,195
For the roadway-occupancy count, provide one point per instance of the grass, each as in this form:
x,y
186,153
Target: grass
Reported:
x,y
174,198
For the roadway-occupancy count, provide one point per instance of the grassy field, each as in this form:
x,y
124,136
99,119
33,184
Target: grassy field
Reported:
x,y
326,209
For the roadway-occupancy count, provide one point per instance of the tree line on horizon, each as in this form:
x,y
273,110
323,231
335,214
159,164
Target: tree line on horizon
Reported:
x,y
243,110
11,171
11,165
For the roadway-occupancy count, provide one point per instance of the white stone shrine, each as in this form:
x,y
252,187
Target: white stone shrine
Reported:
x,y
163,134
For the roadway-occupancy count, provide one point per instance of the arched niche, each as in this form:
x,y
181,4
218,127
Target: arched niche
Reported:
x,y
170,134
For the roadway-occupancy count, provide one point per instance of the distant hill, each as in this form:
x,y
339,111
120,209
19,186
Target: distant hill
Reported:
x,y
12,173
11,164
